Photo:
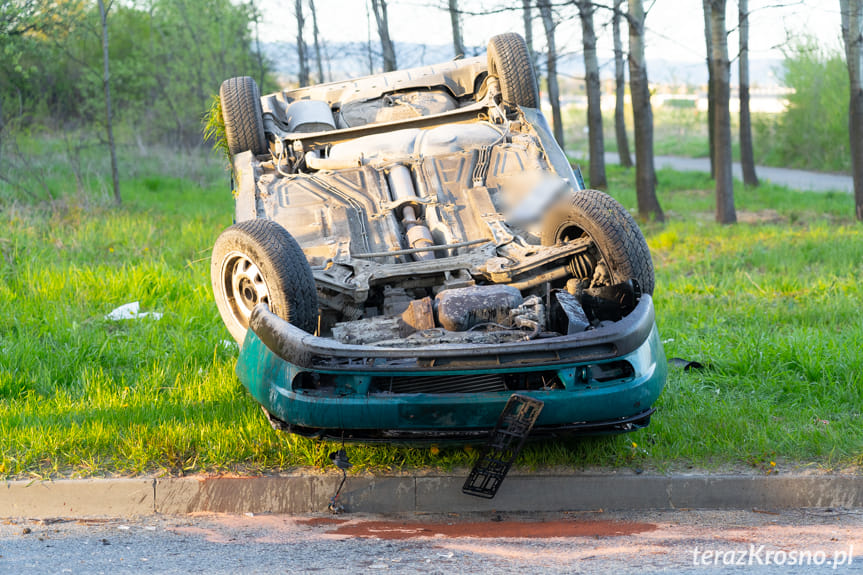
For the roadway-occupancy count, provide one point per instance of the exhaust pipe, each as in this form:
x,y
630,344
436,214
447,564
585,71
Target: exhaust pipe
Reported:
x,y
418,234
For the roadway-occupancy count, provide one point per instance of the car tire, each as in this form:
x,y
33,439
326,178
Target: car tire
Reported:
x,y
613,230
258,261
510,61
244,119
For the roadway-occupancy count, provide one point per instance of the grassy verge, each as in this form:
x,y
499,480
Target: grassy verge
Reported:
x,y
771,305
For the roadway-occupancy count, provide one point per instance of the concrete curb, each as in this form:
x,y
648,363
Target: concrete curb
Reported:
x,y
301,494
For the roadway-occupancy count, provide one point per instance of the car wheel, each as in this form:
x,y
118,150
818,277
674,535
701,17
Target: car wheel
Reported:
x,y
258,261
509,60
618,239
241,110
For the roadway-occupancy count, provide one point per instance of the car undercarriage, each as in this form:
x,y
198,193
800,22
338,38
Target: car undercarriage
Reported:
x,y
417,238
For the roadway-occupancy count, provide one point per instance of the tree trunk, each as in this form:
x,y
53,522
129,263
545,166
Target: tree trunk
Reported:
x,y
747,156
528,29
594,96
109,116
303,75
2,125
619,90
319,62
553,91
852,34
645,174
711,94
455,19
259,56
369,41
380,9
722,122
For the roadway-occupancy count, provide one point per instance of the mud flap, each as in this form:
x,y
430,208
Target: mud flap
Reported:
x,y
497,456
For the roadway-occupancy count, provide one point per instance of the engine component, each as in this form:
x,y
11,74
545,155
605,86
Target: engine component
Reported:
x,y
463,308
310,116
368,330
403,320
530,314
419,315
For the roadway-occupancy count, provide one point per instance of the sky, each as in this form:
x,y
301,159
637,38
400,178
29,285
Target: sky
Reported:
x,y
675,27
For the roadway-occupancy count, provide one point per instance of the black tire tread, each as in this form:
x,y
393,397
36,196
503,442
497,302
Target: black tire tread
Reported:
x,y
613,230
241,110
289,278
509,60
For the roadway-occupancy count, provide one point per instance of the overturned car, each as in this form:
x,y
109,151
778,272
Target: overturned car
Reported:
x,y
411,249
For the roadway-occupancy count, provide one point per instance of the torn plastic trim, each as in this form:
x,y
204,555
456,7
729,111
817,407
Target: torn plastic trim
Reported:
x,y
307,351
423,437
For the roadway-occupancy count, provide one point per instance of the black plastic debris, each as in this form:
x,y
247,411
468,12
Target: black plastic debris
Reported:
x,y
610,303
340,460
497,456
577,319
685,364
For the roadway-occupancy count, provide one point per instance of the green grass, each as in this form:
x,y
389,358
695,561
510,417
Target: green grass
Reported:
x,y
771,306
677,132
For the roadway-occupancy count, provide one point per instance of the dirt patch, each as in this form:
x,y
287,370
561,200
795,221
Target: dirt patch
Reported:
x,y
767,216
492,529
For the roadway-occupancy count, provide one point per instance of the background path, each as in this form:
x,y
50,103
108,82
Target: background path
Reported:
x,y
800,180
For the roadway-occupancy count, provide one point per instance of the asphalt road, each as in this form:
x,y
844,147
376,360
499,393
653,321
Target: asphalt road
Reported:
x,y
683,541
795,179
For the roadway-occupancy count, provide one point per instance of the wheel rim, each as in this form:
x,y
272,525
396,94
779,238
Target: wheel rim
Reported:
x,y
244,286
568,232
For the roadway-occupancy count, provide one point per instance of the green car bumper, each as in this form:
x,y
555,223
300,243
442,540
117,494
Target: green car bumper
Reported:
x,y
604,380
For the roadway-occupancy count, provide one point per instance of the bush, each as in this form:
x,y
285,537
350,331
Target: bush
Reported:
x,y
813,132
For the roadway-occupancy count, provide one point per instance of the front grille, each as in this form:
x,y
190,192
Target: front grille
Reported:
x,y
439,384
443,384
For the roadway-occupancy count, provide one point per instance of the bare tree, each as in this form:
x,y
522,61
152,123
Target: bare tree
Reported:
x,y
369,51
596,141
551,60
303,74
747,155
725,213
852,35
379,7
619,89
642,113
2,125
109,116
711,95
253,10
455,19
528,28
316,36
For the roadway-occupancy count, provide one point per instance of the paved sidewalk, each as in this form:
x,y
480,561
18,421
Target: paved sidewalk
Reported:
x,y
311,492
795,179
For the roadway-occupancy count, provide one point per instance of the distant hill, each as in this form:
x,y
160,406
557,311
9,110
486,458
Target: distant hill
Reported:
x,y
350,60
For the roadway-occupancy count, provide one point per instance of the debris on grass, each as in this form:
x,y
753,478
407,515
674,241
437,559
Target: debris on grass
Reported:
x,y
131,311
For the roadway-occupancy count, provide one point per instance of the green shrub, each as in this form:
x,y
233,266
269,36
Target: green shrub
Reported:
x,y
813,132
681,103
